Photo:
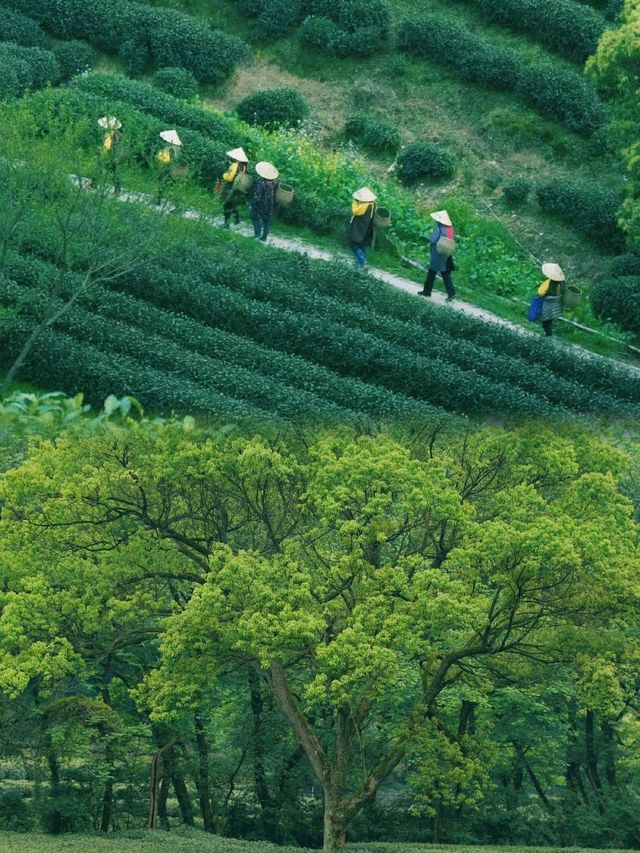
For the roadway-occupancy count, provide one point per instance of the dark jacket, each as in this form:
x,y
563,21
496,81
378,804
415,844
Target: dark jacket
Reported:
x,y
263,200
439,262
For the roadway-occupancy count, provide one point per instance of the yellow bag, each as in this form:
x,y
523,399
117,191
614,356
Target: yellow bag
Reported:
x,y
164,157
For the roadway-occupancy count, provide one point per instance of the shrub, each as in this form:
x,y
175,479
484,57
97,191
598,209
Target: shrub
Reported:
x,y
565,26
555,92
24,68
73,57
624,265
372,133
348,27
135,55
618,299
273,108
278,17
590,208
18,28
517,190
177,82
424,160
140,33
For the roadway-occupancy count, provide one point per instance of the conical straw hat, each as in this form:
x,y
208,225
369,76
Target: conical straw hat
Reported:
x,y
442,217
364,194
553,271
238,154
110,123
267,170
170,136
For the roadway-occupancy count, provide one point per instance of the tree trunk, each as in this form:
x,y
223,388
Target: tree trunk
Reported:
x,y
54,771
163,796
184,801
609,753
203,774
269,825
335,827
109,758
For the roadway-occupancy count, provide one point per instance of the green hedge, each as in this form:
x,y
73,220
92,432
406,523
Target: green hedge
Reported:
x,y
271,108
74,57
59,361
162,37
374,134
557,93
18,28
26,68
177,82
516,191
565,26
226,362
590,208
618,299
424,160
348,27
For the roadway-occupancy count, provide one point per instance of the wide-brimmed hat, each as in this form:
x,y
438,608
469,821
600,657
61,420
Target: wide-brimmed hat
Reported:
x,y
238,154
170,136
553,271
110,123
364,194
267,170
442,217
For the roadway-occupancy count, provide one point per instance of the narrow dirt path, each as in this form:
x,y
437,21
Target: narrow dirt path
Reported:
x,y
302,247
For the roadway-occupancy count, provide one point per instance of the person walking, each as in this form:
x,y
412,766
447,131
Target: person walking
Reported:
x,y
263,199
551,290
442,240
111,147
165,158
363,208
231,194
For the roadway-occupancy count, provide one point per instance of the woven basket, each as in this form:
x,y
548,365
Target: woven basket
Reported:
x,y
284,194
382,218
571,296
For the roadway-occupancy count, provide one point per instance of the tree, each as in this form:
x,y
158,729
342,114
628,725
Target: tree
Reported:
x,y
616,69
367,583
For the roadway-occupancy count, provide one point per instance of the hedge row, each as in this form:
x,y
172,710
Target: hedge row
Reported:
x,y
590,208
140,34
26,68
556,93
61,362
618,299
232,349
331,280
565,26
339,27
272,108
284,291
348,27
153,350
18,28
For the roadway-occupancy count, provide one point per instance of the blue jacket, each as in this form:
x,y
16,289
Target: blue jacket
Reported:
x,y
437,262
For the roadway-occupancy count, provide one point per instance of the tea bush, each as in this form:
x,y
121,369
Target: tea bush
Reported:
x,y
177,82
20,29
618,299
424,160
565,26
278,17
25,68
273,108
73,57
590,208
372,133
555,92
516,191
140,34
348,27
